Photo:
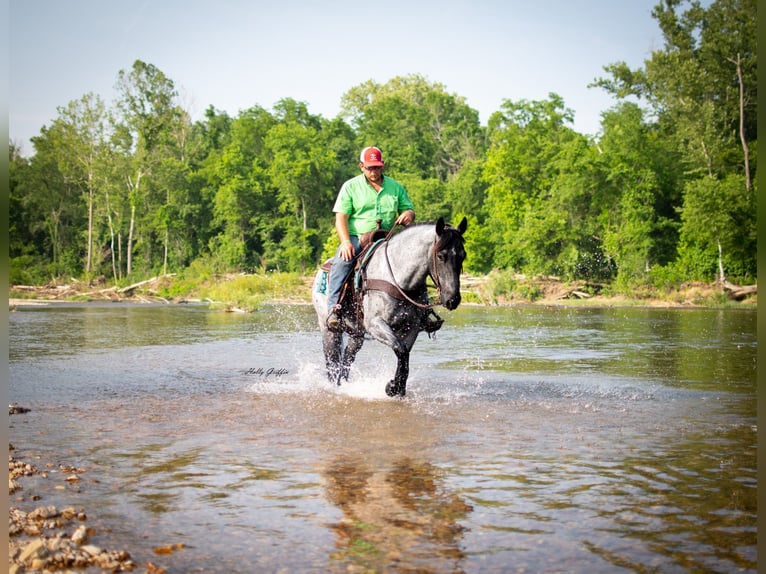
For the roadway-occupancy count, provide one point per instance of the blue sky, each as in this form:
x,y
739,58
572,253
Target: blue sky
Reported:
x,y
234,54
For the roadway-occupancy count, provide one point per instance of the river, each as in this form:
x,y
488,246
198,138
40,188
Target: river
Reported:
x,y
532,439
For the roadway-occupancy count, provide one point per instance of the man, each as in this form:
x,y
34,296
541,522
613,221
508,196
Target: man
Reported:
x,y
361,202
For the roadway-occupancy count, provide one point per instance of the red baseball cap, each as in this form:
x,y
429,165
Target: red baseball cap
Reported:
x,y
371,156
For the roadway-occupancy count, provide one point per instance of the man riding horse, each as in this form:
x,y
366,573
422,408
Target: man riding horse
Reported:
x,y
365,203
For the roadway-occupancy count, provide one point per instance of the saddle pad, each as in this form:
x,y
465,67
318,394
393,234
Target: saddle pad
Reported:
x,y
321,285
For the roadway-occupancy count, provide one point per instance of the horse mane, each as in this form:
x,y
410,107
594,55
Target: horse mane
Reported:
x,y
446,239
451,235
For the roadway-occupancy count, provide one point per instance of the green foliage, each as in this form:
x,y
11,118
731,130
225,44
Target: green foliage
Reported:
x,y
506,285
500,284
420,127
428,195
329,248
665,278
478,245
664,194
718,227
27,270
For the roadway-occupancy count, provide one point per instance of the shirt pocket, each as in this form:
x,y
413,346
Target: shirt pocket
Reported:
x,y
387,209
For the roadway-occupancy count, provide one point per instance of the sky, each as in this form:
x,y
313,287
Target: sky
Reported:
x,y
235,54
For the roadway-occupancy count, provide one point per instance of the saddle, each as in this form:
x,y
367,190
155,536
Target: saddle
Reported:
x,y
357,284
352,292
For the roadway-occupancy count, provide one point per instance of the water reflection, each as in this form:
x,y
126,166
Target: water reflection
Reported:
x,y
66,328
399,517
683,348
697,504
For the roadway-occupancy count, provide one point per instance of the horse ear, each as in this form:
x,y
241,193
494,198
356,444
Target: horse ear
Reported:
x,y
462,226
440,226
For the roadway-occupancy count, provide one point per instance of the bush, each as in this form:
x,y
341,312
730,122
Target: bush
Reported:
x,y
26,270
500,284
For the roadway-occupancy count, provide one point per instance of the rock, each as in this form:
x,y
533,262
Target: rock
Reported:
x,y
35,549
53,549
80,535
43,512
91,549
13,486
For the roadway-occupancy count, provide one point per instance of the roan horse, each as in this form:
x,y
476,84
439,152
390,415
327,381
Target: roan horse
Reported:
x,y
390,302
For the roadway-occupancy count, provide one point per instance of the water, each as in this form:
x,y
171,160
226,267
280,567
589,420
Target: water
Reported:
x,y
531,440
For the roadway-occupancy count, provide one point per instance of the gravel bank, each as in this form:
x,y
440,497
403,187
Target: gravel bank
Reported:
x,y
51,539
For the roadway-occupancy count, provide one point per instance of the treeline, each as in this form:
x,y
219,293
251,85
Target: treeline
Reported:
x,y
666,193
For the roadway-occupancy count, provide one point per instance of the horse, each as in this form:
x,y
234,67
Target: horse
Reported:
x,y
390,302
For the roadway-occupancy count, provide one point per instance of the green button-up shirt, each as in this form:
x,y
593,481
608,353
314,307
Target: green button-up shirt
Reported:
x,y
364,205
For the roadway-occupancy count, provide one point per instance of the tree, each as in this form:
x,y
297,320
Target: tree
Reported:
x,y
701,88
55,215
149,120
718,231
422,129
81,134
27,241
209,138
300,171
526,139
243,205
639,200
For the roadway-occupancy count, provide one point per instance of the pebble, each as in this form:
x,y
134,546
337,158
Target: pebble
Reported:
x,y
80,535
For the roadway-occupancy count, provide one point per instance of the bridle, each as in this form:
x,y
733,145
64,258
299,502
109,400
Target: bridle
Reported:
x,y
434,275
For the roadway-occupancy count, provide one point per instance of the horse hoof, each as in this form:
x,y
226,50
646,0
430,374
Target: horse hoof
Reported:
x,y
394,390
335,378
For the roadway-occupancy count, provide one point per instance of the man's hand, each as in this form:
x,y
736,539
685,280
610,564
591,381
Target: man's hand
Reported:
x,y
347,251
405,218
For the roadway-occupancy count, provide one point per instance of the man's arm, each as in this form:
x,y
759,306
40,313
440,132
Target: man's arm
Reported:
x,y
341,227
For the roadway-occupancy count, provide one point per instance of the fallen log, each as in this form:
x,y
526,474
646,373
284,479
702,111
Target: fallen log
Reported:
x,y
569,293
581,294
738,293
130,288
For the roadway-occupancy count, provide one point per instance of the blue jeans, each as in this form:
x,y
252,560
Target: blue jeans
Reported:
x,y
338,273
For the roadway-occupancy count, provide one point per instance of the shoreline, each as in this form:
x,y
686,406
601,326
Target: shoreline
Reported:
x,y
593,302
245,293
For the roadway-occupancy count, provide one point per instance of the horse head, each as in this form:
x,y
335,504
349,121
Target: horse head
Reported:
x,y
448,257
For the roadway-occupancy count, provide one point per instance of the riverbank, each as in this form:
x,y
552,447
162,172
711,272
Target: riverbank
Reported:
x,y
247,292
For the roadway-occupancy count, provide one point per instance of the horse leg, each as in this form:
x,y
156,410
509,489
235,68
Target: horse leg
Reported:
x,y
353,344
397,387
332,345
381,331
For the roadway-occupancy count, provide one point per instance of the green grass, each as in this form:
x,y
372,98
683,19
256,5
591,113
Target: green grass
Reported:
x,y
249,292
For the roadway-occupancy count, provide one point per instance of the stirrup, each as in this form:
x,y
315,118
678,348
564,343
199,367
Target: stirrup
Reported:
x,y
432,324
336,325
